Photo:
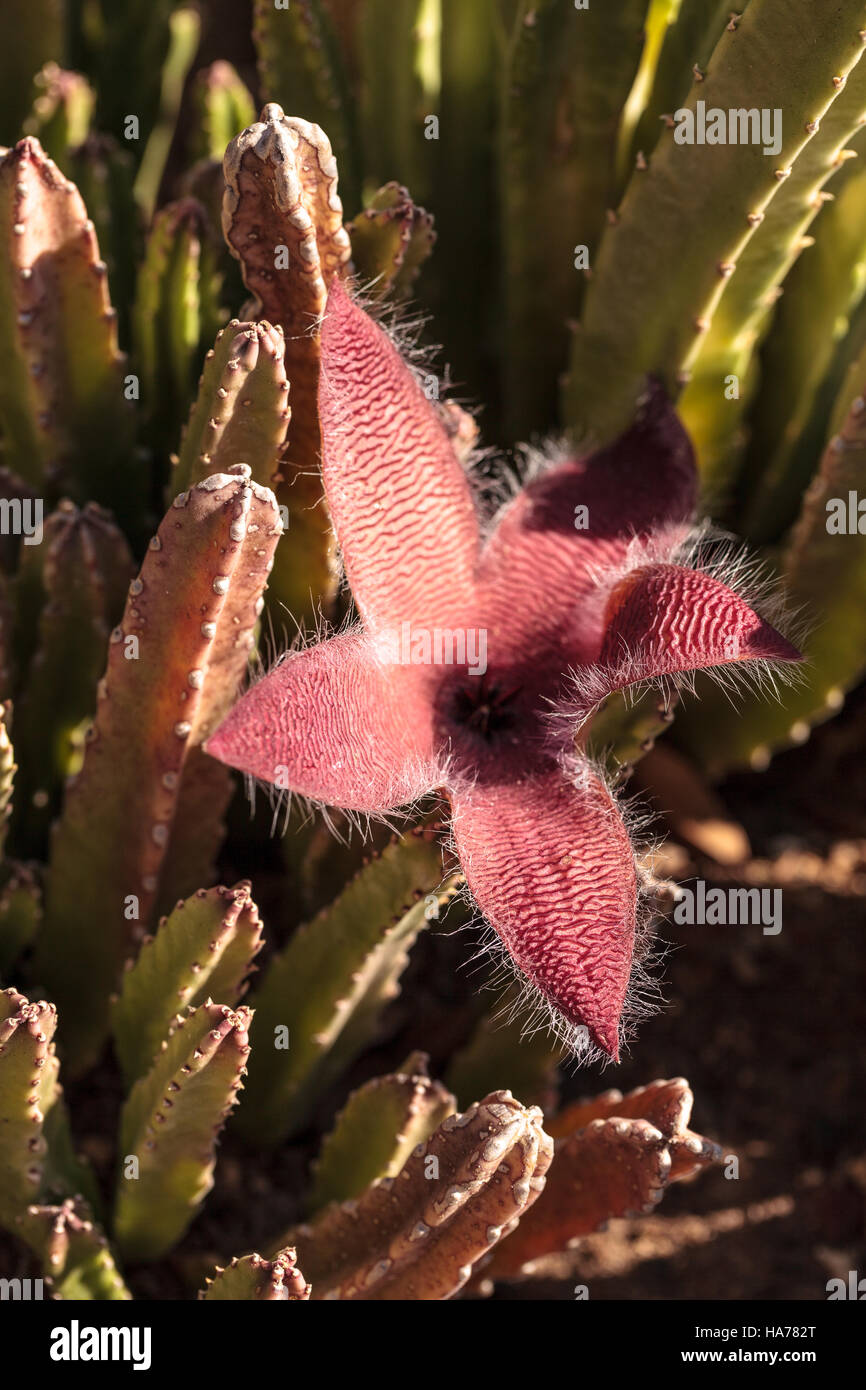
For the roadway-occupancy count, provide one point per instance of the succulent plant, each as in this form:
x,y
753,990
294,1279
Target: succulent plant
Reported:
x,y
373,719
216,405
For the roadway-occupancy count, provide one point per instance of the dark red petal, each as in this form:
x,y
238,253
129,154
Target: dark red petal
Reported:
x,y
551,867
662,619
400,502
538,567
334,725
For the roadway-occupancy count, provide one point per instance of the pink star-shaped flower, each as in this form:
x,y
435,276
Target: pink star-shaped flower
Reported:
x,y
380,715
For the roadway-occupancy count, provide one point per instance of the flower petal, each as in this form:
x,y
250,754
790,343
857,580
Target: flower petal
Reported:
x,y
545,554
662,619
399,499
551,867
333,724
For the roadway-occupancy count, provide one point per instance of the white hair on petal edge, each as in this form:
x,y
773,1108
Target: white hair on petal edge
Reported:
x,y
406,798
407,805
515,473
527,1002
707,551
528,463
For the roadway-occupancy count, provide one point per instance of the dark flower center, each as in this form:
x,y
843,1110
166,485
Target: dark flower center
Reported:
x,y
486,705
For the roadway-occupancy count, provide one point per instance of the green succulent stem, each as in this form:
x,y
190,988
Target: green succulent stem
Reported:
x,y
269,1281
376,1131
224,106
170,1126
75,1254
824,570
301,65
65,421
62,113
713,414
174,666
176,313
568,75
203,949
320,1000
816,317
688,217
84,567
241,413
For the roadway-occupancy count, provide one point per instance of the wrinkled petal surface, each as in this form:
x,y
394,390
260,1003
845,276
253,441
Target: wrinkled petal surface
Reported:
x,y
663,619
551,867
335,724
399,499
